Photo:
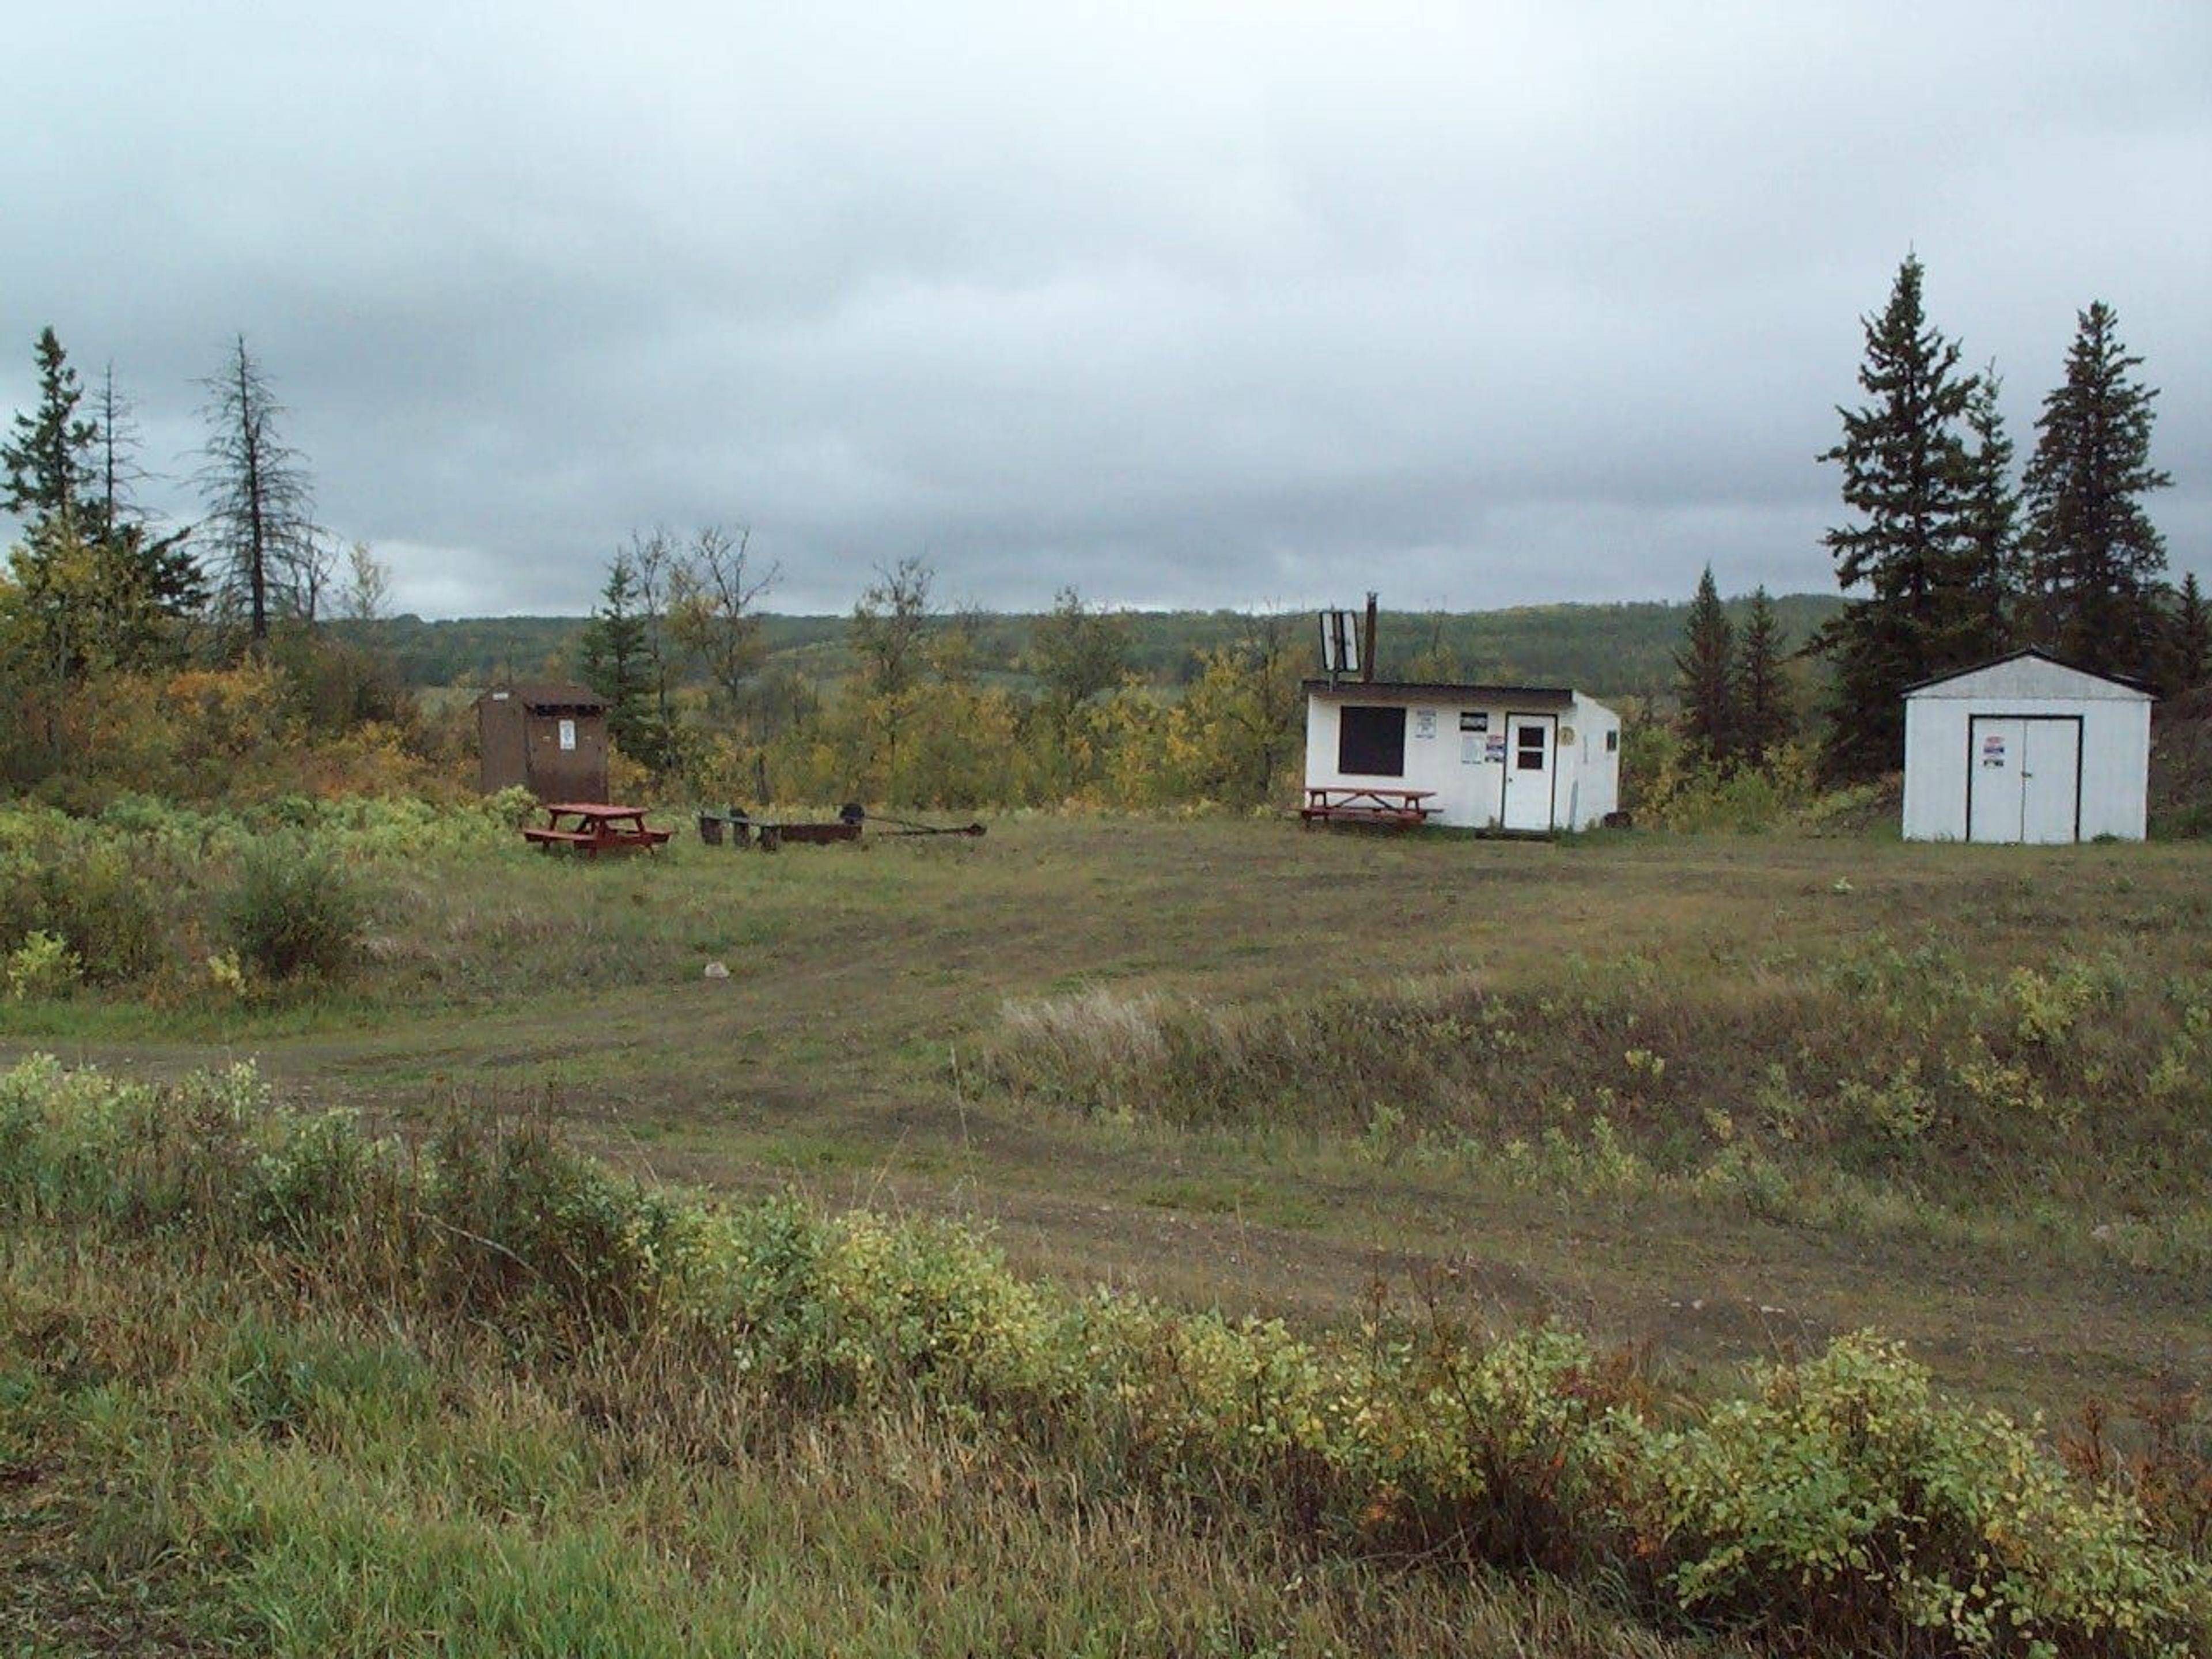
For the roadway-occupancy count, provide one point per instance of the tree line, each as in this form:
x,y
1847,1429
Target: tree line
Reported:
x,y
917,712
97,593
1613,650
253,560
1951,558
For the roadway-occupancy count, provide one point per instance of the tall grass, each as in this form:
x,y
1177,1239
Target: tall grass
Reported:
x,y
304,1475
1844,1506
1879,1059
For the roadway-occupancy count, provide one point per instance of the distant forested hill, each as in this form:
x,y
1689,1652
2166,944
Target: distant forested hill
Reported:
x,y
471,651
1612,650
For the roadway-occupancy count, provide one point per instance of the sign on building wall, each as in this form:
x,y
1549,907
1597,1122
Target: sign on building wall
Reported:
x,y
1424,722
1473,723
567,736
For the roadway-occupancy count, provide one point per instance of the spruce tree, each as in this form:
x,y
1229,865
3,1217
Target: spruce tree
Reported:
x,y
2191,631
617,664
1706,677
1992,569
48,461
2096,556
1765,719
99,594
1905,472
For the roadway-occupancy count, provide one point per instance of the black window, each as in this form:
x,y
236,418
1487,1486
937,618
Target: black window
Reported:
x,y
1528,748
1613,743
1370,742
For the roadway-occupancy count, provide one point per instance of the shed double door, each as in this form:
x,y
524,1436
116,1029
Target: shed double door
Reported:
x,y
1531,767
2023,778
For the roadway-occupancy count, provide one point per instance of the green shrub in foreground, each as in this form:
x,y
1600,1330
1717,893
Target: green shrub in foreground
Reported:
x,y
1844,1508
1847,1497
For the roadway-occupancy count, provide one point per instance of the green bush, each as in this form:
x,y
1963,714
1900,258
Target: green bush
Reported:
x,y
1849,1499
1845,1507
139,895
43,966
294,912
1691,797
58,877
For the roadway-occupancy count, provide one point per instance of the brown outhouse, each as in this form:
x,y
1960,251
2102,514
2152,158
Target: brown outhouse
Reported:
x,y
548,737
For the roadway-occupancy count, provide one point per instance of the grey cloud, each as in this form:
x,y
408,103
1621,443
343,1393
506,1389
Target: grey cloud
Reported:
x,y
1195,303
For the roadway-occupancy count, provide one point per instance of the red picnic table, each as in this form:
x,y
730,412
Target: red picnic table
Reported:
x,y
593,827
1404,809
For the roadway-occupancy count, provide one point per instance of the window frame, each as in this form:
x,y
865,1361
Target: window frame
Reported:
x,y
1358,739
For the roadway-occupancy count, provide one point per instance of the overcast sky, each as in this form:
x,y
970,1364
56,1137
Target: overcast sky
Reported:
x,y
1187,305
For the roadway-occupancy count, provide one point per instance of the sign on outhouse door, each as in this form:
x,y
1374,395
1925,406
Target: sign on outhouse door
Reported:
x,y
1530,745
2023,778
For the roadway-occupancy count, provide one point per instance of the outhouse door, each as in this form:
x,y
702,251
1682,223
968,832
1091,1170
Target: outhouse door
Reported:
x,y
2024,778
1531,758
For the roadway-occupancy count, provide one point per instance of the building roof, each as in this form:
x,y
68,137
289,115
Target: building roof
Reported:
x,y
549,696
2028,654
1557,696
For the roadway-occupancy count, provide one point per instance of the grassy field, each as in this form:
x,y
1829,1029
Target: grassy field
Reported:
x,y
1428,1031
1715,1101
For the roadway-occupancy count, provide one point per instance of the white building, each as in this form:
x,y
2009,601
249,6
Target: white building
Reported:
x,y
2026,749
1522,758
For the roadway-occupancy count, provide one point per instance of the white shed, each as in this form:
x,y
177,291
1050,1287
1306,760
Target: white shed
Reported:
x,y
2026,749
1521,758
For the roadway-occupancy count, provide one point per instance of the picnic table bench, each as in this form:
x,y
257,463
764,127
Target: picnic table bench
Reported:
x,y
1401,809
593,827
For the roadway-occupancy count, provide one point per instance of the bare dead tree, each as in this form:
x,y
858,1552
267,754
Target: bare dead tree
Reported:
x,y
269,557
115,453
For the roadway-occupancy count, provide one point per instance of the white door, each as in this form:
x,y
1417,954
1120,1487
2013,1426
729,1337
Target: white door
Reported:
x,y
1530,759
1994,795
2051,779
2022,782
